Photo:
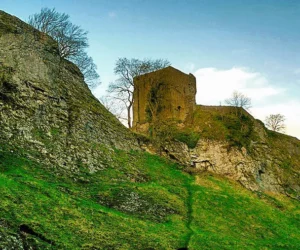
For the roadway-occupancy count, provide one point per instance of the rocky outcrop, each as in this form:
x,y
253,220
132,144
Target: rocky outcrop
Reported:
x,y
234,144
264,167
253,172
46,107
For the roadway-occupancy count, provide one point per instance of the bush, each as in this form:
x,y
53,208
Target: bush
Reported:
x,y
190,138
240,129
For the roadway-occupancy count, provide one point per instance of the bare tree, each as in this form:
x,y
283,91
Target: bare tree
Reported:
x,y
48,20
88,68
72,40
114,106
126,70
240,100
275,122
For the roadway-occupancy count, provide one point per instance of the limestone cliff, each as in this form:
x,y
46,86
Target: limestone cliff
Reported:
x,y
241,148
224,140
54,136
46,107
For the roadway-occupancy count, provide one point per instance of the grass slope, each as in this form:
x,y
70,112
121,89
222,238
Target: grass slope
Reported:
x,y
227,216
138,205
139,201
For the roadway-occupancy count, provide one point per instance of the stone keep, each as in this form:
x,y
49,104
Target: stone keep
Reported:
x,y
163,95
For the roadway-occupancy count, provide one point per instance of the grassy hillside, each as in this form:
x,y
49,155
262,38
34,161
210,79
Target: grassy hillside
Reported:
x,y
226,216
222,123
139,202
225,123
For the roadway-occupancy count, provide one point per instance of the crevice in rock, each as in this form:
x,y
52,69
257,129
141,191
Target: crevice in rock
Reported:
x,y
25,229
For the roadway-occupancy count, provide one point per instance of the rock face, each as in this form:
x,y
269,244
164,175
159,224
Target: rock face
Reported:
x,y
232,143
272,165
46,107
166,94
254,172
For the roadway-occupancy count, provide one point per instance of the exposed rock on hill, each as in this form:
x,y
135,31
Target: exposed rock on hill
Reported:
x,y
46,107
241,148
54,136
224,140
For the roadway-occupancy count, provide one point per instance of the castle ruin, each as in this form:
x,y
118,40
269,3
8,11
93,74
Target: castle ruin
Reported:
x,y
163,95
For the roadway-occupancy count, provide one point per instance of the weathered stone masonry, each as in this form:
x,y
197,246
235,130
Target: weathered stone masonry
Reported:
x,y
166,94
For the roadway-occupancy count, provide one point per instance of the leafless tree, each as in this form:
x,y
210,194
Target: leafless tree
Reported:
x,y
114,106
88,68
48,20
72,40
238,99
126,70
275,122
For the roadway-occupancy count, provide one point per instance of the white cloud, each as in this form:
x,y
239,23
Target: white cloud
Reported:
x,y
112,14
215,85
262,92
290,109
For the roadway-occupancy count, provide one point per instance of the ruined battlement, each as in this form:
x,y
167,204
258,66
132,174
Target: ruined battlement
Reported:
x,y
165,94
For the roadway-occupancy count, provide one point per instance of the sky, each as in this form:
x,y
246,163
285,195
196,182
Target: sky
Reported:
x,y
252,46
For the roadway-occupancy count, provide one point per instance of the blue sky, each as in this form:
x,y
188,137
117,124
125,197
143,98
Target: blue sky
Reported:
x,y
252,46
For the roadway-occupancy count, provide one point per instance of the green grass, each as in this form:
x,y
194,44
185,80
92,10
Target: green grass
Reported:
x,y
189,137
139,202
230,124
224,123
226,216
72,214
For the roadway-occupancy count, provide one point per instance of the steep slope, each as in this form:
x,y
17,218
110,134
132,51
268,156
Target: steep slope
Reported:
x,y
46,107
72,177
139,202
227,216
68,179
142,202
230,142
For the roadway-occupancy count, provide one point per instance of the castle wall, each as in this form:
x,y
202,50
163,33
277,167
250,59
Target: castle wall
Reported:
x,y
166,94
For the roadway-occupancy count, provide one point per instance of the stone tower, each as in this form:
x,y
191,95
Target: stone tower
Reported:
x,y
163,95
